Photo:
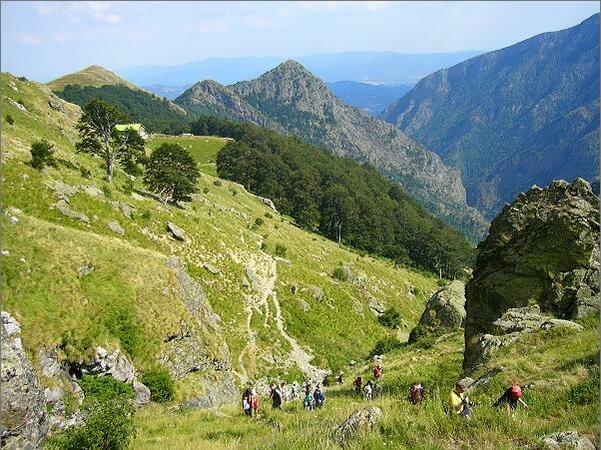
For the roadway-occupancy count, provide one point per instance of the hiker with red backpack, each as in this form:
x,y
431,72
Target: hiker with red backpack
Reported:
x,y
511,398
377,372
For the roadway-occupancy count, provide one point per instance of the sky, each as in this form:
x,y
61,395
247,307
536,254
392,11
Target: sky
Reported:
x,y
43,40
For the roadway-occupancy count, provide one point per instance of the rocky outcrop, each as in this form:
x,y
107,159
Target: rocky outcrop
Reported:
x,y
63,208
446,308
359,420
176,231
567,440
23,420
542,254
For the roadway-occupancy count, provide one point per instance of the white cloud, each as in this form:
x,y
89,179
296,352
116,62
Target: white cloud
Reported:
x,y
61,38
28,39
100,11
210,26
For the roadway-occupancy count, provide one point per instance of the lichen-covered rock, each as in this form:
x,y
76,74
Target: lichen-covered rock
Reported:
x,y
359,420
567,440
219,390
541,250
176,231
446,308
142,393
115,227
114,364
63,208
23,421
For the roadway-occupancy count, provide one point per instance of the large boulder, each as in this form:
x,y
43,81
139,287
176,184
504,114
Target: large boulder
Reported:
x,y
360,420
567,440
446,307
542,250
23,421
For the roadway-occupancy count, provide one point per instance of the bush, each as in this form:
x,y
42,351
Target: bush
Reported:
x,y
84,172
107,191
20,102
269,215
128,186
259,221
280,250
340,274
391,318
109,425
146,214
42,154
217,183
386,345
22,79
205,190
9,119
104,388
417,333
160,383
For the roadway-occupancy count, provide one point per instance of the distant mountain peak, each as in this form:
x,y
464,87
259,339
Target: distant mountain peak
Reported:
x,y
94,75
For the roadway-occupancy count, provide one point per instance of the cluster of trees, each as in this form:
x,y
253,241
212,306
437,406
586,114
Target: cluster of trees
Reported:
x,y
337,197
157,114
170,171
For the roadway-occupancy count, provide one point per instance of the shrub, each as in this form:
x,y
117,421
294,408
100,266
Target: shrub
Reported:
x,y
264,246
42,154
205,190
146,214
22,79
128,186
391,318
104,388
85,172
259,221
417,333
280,250
269,215
385,345
233,191
20,102
109,425
160,383
217,183
107,191
9,119
340,274
123,324
172,173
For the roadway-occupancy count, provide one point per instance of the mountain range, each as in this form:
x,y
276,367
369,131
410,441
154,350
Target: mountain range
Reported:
x,y
291,99
372,98
368,67
523,115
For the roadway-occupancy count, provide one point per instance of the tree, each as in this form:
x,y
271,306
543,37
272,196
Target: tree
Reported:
x,y
172,173
99,136
42,153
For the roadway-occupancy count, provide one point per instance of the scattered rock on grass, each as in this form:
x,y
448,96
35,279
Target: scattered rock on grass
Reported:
x,y
142,393
212,269
176,231
115,227
567,440
359,420
63,208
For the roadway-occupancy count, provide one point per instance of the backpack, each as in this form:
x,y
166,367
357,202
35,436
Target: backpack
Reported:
x,y
516,391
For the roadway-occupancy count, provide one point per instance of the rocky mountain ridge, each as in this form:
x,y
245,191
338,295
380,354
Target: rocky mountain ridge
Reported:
x,y
290,98
522,115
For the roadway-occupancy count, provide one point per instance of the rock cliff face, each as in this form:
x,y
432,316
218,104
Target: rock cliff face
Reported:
x,y
538,267
23,421
289,98
508,119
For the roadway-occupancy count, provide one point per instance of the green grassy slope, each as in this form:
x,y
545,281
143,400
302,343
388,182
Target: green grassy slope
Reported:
x,y
557,367
130,281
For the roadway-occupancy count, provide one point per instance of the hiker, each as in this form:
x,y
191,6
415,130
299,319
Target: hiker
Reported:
x,y
459,403
340,381
511,398
319,397
368,390
284,392
377,372
308,387
308,402
293,391
254,402
416,394
276,396
358,385
377,389
246,400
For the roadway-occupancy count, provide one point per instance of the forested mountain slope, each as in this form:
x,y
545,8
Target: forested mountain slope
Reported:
x,y
290,98
523,115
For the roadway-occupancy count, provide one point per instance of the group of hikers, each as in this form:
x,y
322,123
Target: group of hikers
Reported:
x,y
458,401
279,393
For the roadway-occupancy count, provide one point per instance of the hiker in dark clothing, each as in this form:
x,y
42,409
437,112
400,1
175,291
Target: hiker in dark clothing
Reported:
x,y
358,385
319,397
276,397
340,381
416,394
246,402
511,398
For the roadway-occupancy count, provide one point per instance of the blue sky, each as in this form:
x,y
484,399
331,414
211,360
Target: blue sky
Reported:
x,y
43,40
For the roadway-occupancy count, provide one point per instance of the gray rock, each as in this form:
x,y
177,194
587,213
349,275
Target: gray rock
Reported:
x,y
142,393
304,305
23,420
17,105
92,191
55,104
446,308
360,420
13,220
5,253
84,270
64,190
212,269
49,364
219,391
268,203
65,210
114,364
541,250
567,440
176,231
317,293
115,227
